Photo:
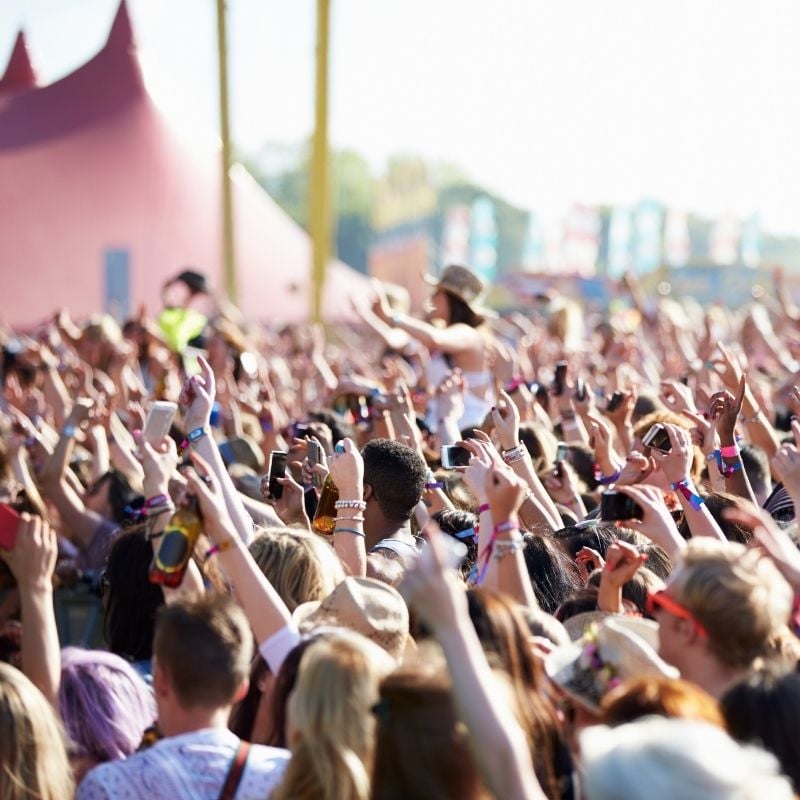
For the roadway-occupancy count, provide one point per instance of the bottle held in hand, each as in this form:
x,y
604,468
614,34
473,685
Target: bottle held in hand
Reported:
x,y
174,548
325,517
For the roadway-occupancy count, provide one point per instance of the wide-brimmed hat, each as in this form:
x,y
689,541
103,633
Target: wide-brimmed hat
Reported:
x,y
462,283
609,653
369,607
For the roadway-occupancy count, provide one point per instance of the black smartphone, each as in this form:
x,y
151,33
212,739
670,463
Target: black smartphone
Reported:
x,y
454,456
580,390
277,469
301,429
314,457
615,401
658,438
614,506
560,381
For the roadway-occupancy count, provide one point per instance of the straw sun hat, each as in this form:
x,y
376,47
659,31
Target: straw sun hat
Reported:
x,y
464,284
369,607
610,652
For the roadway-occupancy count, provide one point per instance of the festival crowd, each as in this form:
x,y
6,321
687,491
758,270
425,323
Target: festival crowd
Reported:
x,y
545,554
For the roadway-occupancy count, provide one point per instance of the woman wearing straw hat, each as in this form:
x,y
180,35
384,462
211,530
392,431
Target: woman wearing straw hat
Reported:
x,y
456,335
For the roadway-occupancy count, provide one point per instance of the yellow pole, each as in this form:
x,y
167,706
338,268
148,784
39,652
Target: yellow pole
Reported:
x,y
228,250
320,217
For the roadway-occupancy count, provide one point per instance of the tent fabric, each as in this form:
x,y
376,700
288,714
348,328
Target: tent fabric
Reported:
x,y
20,74
89,165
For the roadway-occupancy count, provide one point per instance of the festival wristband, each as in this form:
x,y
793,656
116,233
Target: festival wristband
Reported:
x,y
730,451
686,489
483,508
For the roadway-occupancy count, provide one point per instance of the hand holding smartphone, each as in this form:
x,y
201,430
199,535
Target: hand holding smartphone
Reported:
x,y
615,506
454,456
159,421
277,469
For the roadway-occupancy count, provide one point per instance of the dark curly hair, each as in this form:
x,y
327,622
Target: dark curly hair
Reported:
x,y
397,476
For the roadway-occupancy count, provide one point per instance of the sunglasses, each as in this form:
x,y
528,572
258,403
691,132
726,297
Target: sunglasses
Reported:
x,y
661,601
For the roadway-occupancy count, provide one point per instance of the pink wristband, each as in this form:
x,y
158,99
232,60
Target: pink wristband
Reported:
x,y
504,527
731,451
483,508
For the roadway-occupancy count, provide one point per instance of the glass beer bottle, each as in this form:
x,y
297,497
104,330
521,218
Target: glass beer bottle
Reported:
x,y
325,516
174,548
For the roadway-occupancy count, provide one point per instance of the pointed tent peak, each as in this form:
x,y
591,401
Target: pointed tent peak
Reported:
x,y
19,73
120,37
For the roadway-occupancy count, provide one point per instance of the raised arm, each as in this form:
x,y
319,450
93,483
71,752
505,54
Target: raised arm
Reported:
x,y
32,562
497,740
198,398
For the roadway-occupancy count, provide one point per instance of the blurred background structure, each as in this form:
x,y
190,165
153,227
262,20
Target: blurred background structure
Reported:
x,y
660,141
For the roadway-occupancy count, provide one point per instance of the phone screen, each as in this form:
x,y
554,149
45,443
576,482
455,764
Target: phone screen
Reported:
x,y
562,451
277,469
454,456
9,523
560,378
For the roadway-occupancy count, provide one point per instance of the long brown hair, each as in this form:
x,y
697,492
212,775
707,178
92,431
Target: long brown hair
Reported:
x,y
421,749
504,637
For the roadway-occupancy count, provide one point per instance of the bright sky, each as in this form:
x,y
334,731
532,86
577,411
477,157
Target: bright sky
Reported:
x,y
548,102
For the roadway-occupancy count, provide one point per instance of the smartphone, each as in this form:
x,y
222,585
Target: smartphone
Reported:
x,y
277,469
315,457
9,523
658,438
616,506
615,401
562,451
580,389
560,380
159,421
454,456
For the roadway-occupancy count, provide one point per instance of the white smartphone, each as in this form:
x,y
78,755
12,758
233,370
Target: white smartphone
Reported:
x,y
159,421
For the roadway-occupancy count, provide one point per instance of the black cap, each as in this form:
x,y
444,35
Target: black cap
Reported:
x,y
196,281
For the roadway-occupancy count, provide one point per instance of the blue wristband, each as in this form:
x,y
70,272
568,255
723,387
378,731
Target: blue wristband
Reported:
x,y
197,434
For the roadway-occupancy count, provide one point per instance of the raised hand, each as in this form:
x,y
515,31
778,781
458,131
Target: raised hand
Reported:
x,y
505,493
347,470
197,397
678,397
725,409
677,464
33,559
656,523
506,422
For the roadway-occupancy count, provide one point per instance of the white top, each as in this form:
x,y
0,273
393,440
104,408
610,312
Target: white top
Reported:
x,y
192,766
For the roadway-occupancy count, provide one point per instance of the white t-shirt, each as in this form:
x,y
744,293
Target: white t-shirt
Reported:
x,y
192,766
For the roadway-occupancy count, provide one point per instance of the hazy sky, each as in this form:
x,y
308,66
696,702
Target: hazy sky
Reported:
x,y
548,102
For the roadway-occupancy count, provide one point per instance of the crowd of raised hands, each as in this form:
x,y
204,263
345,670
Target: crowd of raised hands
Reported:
x,y
591,593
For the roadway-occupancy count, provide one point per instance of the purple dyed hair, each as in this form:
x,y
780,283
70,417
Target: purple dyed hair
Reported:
x,y
104,703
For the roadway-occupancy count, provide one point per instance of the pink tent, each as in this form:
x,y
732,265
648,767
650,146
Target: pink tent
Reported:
x,y
100,202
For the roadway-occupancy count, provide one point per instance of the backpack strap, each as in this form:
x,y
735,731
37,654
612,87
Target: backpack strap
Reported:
x,y
236,771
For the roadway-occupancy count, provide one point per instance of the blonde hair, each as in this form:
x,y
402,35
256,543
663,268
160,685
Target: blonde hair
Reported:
x,y
300,566
33,757
738,596
331,726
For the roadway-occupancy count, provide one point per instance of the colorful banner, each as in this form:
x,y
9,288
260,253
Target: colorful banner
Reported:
x,y
723,246
483,239
455,236
647,224
620,243
750,247
533,254
677,244
581,241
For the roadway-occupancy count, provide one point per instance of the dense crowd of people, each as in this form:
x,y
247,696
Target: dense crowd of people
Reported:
x,y
453,554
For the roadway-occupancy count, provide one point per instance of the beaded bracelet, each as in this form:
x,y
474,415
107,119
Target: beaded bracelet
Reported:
x,y
350,519
502,549
358,505
514,454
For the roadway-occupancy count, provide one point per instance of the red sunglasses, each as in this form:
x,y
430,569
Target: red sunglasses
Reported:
x,y
661,601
